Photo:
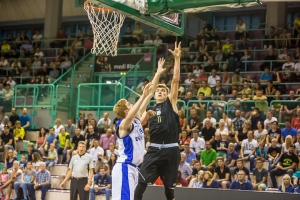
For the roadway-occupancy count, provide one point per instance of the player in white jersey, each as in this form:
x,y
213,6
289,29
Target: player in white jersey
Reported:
x,y
130,135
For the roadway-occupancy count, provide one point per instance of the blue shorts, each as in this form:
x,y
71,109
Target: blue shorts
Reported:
x,y
297,174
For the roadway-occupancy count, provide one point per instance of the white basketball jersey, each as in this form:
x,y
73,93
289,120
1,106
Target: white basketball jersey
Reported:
x,y
132,146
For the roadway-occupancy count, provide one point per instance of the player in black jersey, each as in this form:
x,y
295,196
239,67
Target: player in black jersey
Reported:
x,y
163,156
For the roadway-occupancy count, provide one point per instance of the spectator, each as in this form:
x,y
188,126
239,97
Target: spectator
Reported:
x,y
236,80
222,145
194,46
232,59
64,144
75,140
244,45
70,128
6,140
213,36
288,130
102,185
277,107
240,30
256,117
189,97
274,133
238,121
290,108
296,120
226,46
38,52
201,35
241,183
181,182
272,41
273,154
61,39
10,157
190,155
240,166
42,181
213,78
185,168
5,48
111,162
210,118
212,65
209,181
245,58
193,121
266,76
36,160
11,82
270,119
36,38
3,65
197,144
16,63
41,139
14,117
58,126
104,122
248,149
208,132
286,38
260,134
106,139
28,180
205,89
208,156
26,46
37,63
19,133
52,157
197,182
88,43
288,67
286,185
53,74
286,165
183,138
140,87
137,31
222,174
113,150
231,158
91,136
96,150
25,119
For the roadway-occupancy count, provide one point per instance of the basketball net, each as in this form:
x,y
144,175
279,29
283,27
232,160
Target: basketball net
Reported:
x,y
106,25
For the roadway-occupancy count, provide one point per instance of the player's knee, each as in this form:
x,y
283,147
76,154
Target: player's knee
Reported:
x,y
169,192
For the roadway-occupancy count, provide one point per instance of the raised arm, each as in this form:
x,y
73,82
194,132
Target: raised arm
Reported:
x,y
173,96
160,70
126,123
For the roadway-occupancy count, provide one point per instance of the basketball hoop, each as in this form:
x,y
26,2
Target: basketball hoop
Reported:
x,y
106,26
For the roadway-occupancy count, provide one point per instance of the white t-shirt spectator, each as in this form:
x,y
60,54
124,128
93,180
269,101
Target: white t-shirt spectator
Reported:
x,y
39,54
148,42
267,122
157,42
57,129
226,122
197,72
103,122
297,145
36,164
4,63
11,83
297,67
249,146
288,67
223,132
188,81
260,136
197,145
212,120
37,36
13,65
18,178
212,80
108,153
94,152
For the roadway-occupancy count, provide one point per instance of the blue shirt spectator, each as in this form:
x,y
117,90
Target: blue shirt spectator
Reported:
x,y
288,131
24,119
289,189
245,185
266,77
297,190
257,153
189,158
214,184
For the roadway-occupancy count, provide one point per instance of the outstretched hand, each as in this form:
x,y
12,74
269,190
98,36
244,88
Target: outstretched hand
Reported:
x,y
177,50
147,89
160,68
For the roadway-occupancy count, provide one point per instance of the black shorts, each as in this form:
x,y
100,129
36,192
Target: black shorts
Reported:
x,y
160,162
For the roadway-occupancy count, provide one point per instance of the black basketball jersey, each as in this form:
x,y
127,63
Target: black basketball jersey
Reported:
x,y
164,127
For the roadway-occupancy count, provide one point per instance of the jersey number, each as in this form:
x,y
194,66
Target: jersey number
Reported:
x,y
158,118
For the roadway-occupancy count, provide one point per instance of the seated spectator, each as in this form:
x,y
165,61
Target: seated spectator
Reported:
x,y
7,95
260,135
202,35
208,131
212,65
88,43
16,63
222,145
286,185
197,144
36,160
112,160
237,81
77,43
183,138
244,45
52,157
219,57
231,158
27,46
11,82
261,153
285,38
192,89
37,63
165,78
19,133
57,126
269,120
16,175
208,157
149,40
16,72
3,65
28,181
260,176
190,155
106,139
226,46
288,67
284,54
266,76
209,181
42,181
197,182
64,144
233,60
6,140
96,150
75,140
241,183
137,30
38,53
26,72
277,108
102,185
204,89
66,64
268,58
290,108
203,47
244,59
256,117
36,38
194,46
296,120
213,78
5,48
240,166
248,149
91,136
240,30
222,174
272,41
273,153
193,122
297,70
181,182
61,39
189,97
288,130
213,36
286,165
54,74
185,168
32,150
10,157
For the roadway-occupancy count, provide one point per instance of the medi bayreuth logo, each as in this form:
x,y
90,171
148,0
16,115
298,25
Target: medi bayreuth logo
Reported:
x,y
124,66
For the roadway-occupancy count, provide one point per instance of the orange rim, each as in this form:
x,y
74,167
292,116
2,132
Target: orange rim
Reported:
x,y
95,8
